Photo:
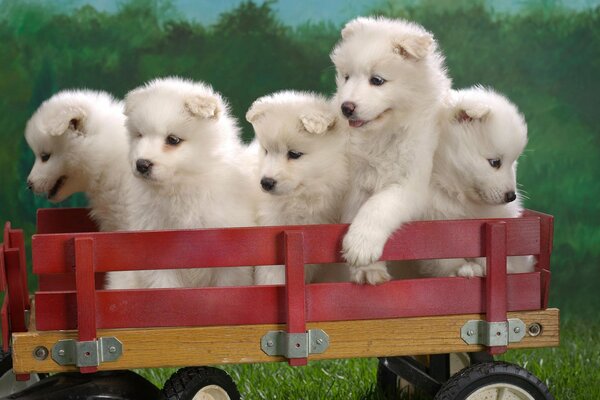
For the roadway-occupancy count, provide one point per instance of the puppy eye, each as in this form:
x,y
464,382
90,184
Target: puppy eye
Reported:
x,y
376,80
173,140
294,155
495,162
346,77
45,157
266,151
139,135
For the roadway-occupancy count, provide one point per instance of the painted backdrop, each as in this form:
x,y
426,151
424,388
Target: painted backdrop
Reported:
x,y
544,55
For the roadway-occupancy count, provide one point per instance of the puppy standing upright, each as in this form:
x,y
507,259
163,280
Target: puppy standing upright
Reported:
x,y
390,84
474,174
303,169
185,151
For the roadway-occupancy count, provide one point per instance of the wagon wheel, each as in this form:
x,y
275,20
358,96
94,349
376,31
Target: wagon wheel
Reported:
x,y
200,383
493,381
393,385
8,381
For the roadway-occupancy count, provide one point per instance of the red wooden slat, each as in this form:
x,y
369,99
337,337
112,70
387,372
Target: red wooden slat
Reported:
x,y
86,294
14,290
295,287
117,251
2,269
17,240
4,310
5,325
495,291
6,236
266,304
61,282
64,220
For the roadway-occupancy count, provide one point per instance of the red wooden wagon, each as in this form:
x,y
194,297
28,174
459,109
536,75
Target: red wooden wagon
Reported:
x,y
72,324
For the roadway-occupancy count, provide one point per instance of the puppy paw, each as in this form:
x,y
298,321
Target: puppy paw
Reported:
x,y
361,250
374,274
470,270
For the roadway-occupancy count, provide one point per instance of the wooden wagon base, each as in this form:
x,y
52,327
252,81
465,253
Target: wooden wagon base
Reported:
x,y
173,347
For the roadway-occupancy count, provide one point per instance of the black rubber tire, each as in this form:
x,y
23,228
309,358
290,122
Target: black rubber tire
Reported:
x,y
5,362
477,376
387,382
186,382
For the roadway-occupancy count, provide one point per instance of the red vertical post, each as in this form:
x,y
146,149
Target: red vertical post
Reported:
x,y
86,292
14,290
294,287
543,264
4,310
495,287
17,240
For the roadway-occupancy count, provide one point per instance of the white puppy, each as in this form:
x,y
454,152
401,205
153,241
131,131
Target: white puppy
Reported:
x,y
80,143
474,174
303,169
390,84
185,150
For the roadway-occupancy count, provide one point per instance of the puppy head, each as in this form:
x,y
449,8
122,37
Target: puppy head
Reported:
x,y
484,134
175,127
301,147
386,67
56,133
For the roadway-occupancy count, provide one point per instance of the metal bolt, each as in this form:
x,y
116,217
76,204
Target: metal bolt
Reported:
x,y
270,343
470,333
517,329
61,353
112,349
534,329
40,353
319,341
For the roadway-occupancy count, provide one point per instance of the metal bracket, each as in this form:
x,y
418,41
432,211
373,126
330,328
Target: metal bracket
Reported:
x,y
88,353
294,345
493,333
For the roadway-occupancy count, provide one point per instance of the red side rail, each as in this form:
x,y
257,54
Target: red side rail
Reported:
x,y
83,253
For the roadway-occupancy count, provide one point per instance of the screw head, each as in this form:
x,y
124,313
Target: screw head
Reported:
x,y
270,343
40,353
534,329
470,332
112,349
61,353
319,341
517,329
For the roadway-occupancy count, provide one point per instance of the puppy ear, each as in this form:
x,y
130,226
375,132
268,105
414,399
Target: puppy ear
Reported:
x,y
414,46
203,106
132,99
71,118
256,111
317,122
352,27
473,112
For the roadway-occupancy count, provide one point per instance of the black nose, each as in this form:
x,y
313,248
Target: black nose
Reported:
x,y
348,108
268,183
29,185
143,166
510,196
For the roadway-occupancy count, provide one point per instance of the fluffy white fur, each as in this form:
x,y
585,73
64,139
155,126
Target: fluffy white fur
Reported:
x,y
84,137
309,189
393,133
195,183
478,126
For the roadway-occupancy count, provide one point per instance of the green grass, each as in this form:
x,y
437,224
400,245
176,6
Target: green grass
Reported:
x,y
571,371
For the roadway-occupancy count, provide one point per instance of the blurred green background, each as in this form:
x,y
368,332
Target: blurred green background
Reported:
x,y
545,55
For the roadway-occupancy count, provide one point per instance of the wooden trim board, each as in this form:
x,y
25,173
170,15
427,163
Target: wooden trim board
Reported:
x,y
173,347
